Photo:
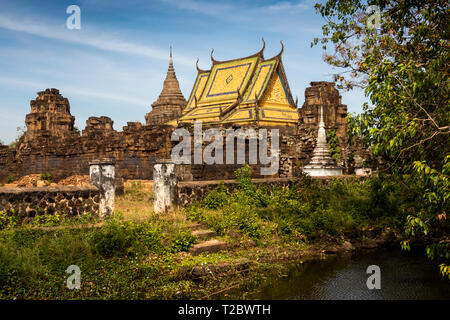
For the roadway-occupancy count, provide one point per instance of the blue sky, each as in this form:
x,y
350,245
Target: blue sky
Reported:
x,y
116,63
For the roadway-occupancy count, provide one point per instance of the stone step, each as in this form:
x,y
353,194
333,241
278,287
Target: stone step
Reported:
x,y
204,234
208,246
197,226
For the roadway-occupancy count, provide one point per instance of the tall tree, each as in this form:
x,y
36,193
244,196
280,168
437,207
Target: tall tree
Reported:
x,y
398,52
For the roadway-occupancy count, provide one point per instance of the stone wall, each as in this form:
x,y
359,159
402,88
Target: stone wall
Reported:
x,y
29,202
135,150
52,145
189,192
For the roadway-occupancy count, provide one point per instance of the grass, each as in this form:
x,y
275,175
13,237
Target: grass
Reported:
x,y
112,255
304,211
138,254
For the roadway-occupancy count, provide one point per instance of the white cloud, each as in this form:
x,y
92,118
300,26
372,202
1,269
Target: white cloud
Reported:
x,y
71,90
204,7
93,38
237,10
286,6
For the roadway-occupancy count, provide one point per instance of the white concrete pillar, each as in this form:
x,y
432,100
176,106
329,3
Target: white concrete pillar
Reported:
x,y
102,175
165,185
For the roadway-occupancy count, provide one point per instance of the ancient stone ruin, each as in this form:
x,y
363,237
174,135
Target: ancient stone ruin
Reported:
x,y
52,145
49,117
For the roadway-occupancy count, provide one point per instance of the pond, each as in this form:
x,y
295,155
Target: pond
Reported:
x,y
404,275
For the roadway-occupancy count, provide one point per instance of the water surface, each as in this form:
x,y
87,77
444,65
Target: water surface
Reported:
x,y
403,276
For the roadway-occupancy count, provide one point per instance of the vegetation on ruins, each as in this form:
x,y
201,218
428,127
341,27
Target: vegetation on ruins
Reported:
x,y
137,254
10,179
305,211
402,63
46,177
333,145
143,254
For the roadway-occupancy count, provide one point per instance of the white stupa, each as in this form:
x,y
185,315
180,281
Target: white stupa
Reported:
x,y
321,162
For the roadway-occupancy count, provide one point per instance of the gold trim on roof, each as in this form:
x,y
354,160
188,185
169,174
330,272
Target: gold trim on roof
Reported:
x,y
244,90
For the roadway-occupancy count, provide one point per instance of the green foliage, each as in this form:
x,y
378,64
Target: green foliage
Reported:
x,y
48,220
242,217
217,198
183,241
403,67
118,238
10,179
244,177
333,145
7,221
148,235
112,239
118,260
46,177
305,208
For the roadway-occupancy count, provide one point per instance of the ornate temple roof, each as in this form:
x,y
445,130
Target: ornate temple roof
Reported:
x,y
242,90
170,93
170,103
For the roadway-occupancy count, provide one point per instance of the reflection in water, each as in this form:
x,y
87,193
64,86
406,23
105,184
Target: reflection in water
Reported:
x,y
403,276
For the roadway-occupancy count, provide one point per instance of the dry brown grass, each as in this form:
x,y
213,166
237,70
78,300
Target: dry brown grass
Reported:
x,y
142,210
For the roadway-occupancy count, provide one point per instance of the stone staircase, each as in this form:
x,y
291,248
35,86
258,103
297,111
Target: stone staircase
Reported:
x,y
207,242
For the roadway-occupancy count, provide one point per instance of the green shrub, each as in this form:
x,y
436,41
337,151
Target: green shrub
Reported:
x,y
241,217
10,179
46,177
217,198
333,145
84,219
110,239
194,211
7,221
127,237
183,241
306,207
244,177
48,220
145,234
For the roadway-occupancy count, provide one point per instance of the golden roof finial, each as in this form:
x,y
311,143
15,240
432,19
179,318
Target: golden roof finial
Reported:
x,y
264,46
282,48
212,58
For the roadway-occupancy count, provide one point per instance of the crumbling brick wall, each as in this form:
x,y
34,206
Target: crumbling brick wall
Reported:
x,y
52,145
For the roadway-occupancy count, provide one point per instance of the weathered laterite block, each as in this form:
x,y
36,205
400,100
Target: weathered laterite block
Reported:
x,y
67,200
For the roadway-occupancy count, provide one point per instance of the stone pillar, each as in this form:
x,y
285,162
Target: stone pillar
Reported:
x,y
101,175
165,185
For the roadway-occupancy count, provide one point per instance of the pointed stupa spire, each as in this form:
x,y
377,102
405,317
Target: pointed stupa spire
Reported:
x,y
321,163
170,102
321,154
